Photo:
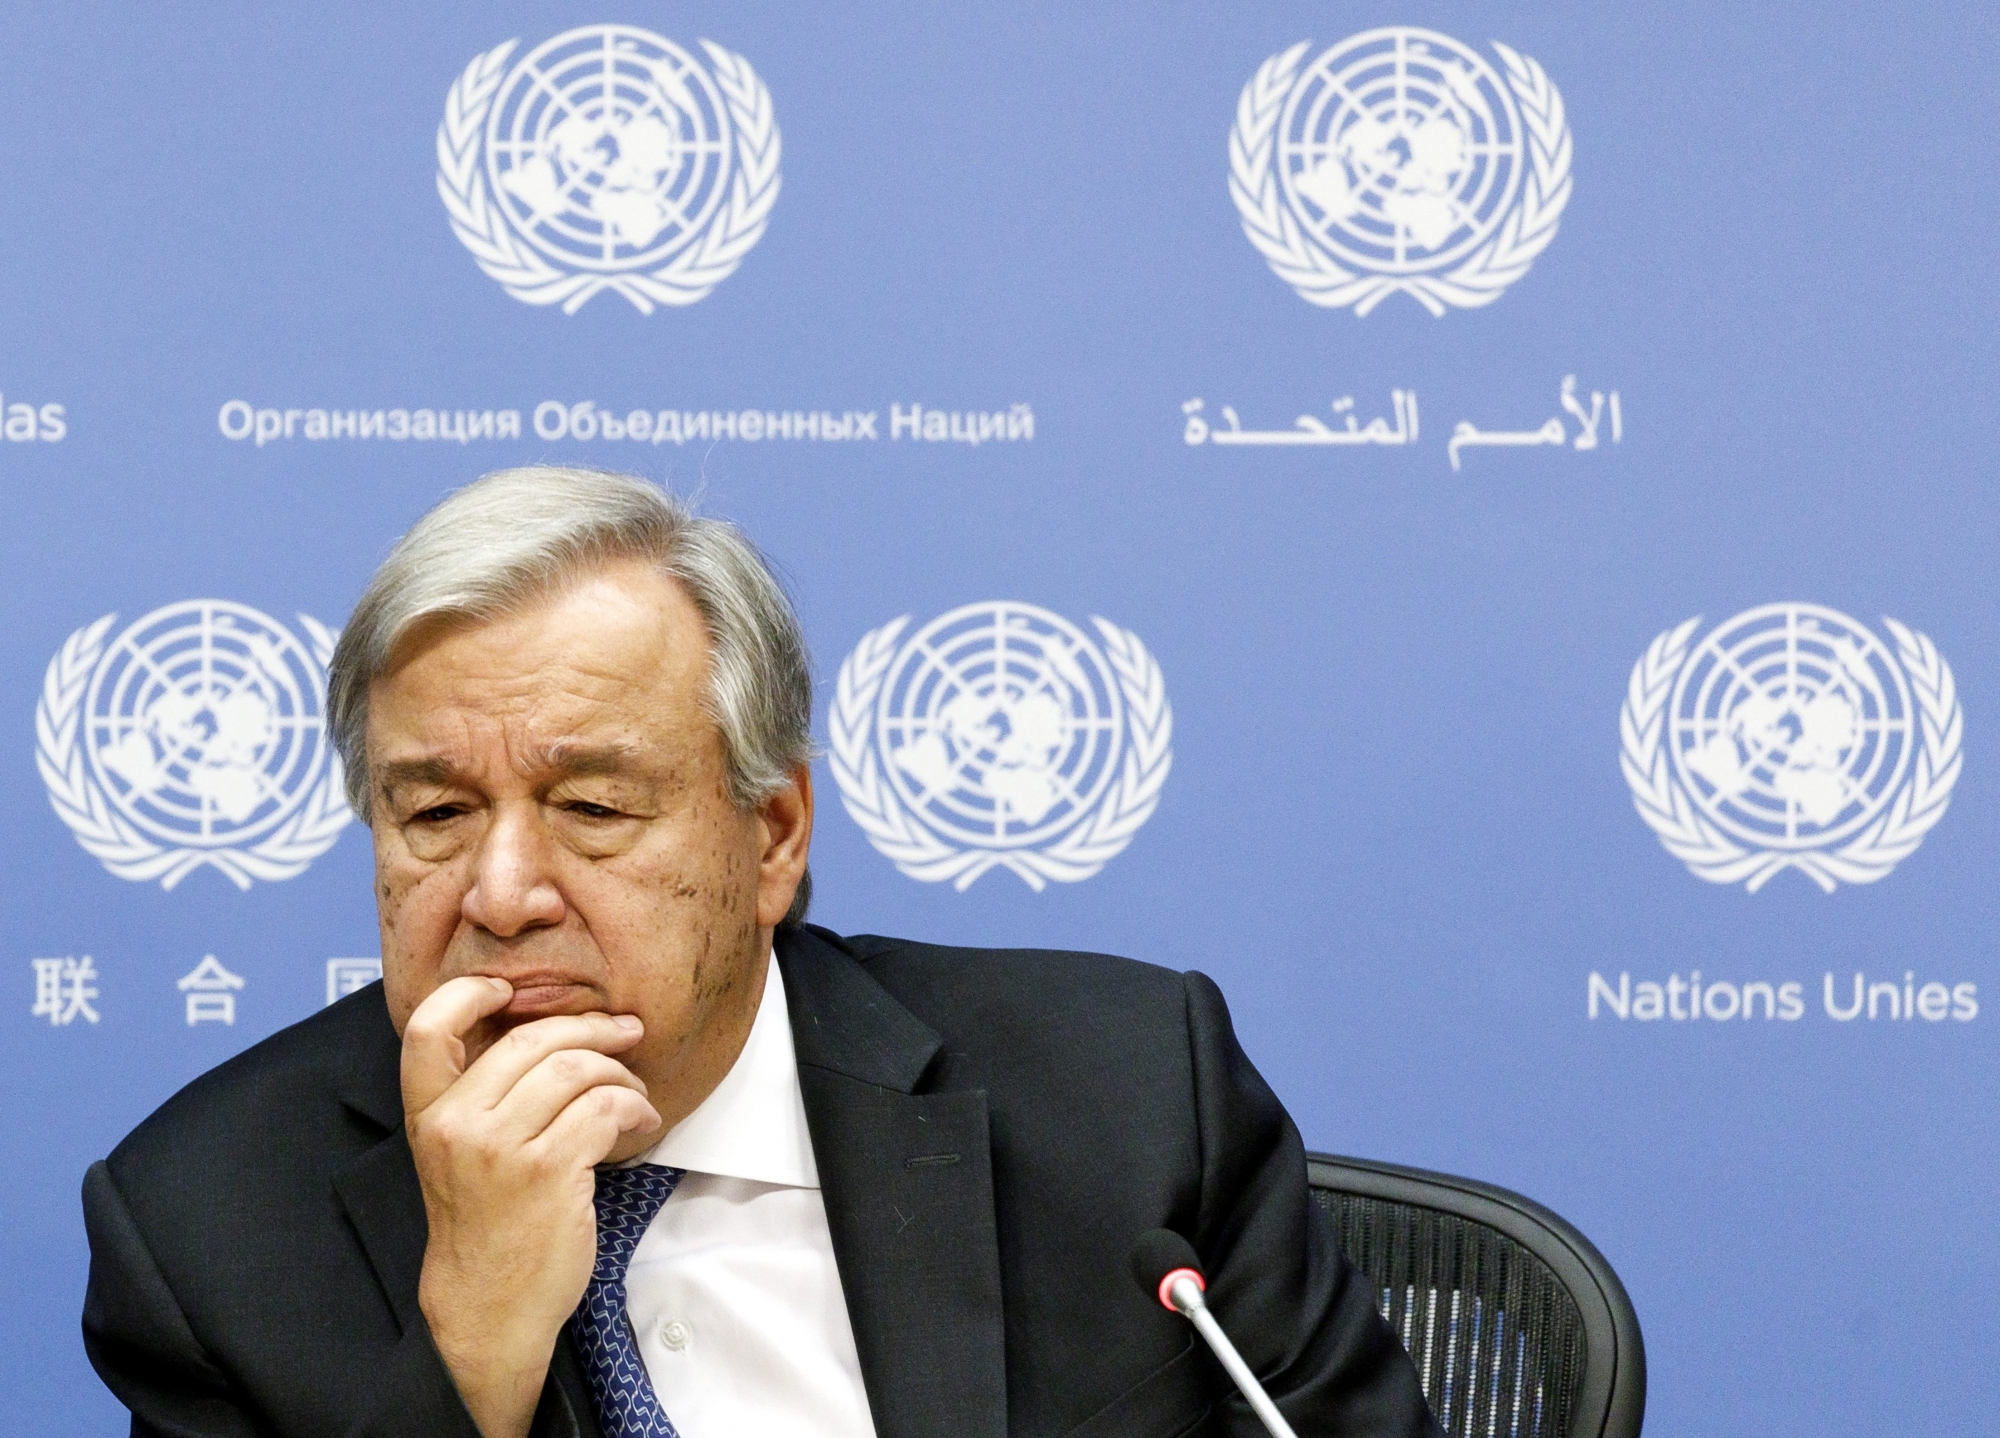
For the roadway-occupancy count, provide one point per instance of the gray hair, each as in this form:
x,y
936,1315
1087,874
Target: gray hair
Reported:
x,y
518,534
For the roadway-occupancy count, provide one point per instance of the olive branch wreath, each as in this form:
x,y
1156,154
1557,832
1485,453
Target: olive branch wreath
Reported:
x,y
1477,280
1693,838
482,225
109,836
903,838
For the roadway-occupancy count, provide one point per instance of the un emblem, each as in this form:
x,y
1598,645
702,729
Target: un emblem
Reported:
x,y
196,736
1000,735
1399,159
608,158
1791,737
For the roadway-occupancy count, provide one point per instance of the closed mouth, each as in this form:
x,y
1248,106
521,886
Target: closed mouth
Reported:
x,y
538,994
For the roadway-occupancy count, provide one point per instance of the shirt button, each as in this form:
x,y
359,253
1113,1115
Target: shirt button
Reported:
x,y
675,1334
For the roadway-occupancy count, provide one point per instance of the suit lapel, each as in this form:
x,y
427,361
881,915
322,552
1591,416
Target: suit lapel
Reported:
x,y
907,1178
567,1380
385,1205
378,1188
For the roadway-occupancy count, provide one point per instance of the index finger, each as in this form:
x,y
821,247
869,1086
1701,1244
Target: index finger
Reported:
x,y
492,1076
434,1039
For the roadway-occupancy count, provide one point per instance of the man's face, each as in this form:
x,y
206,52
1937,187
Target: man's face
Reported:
x,y
549,807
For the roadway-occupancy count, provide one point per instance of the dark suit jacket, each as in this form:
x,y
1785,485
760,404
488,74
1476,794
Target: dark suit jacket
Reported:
x,y
992,1130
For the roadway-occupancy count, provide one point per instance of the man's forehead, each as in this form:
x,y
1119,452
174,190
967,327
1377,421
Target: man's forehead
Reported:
x,y
625,600
606,677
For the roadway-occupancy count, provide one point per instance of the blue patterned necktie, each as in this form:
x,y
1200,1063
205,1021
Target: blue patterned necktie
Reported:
x,y
627,1200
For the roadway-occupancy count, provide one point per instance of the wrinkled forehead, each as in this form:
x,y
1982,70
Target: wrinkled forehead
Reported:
x,y
589,678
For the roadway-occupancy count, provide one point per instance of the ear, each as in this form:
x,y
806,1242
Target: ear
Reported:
x,y
784,826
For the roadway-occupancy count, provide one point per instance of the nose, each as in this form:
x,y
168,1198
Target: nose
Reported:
x,y
513,881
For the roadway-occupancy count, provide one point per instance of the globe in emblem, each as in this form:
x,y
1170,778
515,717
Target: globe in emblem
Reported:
x,y
1001,723
1400,161
611,145
1794,724
203,724
196,737
1791,737
1000,735
1400,150
608,158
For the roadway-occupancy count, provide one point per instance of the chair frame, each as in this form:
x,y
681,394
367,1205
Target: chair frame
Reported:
x,y
1611,1399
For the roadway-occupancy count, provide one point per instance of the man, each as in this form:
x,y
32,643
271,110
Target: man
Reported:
x,y
621,1146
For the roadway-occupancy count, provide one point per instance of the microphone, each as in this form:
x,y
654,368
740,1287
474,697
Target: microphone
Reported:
x,y
1166,1267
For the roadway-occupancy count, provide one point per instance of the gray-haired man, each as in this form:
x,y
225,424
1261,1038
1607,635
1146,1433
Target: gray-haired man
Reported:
x,y
619,1145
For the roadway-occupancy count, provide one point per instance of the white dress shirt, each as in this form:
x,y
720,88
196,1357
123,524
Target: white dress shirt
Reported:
x,y
733,1290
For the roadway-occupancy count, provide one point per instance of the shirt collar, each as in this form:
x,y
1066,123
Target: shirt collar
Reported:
x,y
754,1124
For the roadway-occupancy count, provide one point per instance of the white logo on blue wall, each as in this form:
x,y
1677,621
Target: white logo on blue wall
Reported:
x,y
608,158
1791,737
1399,159
1000,735
195,736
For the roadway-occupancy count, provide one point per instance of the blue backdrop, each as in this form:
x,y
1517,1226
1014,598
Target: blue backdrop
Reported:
x,y
1403,824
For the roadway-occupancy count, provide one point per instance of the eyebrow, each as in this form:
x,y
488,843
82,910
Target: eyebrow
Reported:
x,y
564,756
414,771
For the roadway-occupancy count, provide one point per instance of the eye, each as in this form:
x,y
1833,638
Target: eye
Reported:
x,y
437,814
585,809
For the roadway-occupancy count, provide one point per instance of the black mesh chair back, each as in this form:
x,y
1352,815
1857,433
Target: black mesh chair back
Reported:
x,y
1517,1325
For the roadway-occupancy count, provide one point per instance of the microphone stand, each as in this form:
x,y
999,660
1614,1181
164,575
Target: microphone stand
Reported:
x,y
1183,1290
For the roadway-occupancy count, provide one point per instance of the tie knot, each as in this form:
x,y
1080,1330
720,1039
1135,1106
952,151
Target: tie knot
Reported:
x,y
627,1200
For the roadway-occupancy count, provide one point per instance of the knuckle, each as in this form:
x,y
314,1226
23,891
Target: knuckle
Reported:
x,y
540,1161
444,1132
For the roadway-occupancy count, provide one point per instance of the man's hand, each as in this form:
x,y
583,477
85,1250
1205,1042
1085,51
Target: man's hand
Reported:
x,y
504,1149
